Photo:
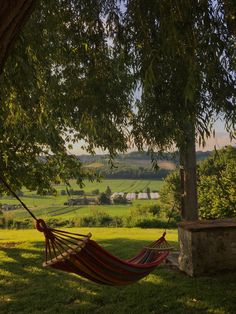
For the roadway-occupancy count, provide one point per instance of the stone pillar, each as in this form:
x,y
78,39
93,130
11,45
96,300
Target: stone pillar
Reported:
x,y
207,246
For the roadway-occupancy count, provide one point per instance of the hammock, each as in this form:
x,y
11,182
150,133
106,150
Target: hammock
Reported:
x,y
78,254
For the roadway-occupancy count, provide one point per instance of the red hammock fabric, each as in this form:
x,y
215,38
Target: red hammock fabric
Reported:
x,y
98,265
88,259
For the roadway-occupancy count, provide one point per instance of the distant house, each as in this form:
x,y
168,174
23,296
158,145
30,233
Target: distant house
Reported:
x,y
81,201
143,196
154,195
116,194
91,200
131,196
7,207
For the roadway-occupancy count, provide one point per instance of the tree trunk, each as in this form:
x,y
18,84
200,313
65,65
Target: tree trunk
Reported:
x,y
188,178
13,15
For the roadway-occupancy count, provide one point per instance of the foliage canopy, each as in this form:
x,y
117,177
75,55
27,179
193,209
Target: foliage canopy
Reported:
x,y
61,84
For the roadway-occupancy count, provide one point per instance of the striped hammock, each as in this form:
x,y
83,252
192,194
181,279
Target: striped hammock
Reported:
x,y
78,254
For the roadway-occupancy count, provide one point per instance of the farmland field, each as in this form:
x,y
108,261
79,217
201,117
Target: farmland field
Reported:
x,y
118,185
53,206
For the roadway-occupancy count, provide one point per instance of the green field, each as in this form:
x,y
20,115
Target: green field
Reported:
x,y
53,206
125,185
26,287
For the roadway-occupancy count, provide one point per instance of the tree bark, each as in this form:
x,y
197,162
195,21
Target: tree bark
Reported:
x,y
188,178
13,16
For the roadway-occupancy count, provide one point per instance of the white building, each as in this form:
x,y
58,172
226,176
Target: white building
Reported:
x,y
154,195
114,195
131,196
143,196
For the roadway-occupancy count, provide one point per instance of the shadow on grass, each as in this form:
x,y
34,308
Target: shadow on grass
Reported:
x,y
26,287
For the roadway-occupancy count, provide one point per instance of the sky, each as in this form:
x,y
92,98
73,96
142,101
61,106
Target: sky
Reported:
x,y
220,140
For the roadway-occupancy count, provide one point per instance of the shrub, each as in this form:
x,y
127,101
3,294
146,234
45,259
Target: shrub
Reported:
x,y
119,199
140,210
129,221
155,223
19,193
170,192
76,192
117,221
217,185
155,209
104,220
95,192
87,221
104,199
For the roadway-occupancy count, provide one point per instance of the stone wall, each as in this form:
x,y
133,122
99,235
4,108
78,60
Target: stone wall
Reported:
x,y
207,246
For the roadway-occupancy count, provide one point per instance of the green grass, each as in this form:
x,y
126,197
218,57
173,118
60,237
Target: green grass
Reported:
x,y
52,206
25,287
117,185
68,212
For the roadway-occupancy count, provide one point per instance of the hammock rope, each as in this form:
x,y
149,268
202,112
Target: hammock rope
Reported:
x,y
77,253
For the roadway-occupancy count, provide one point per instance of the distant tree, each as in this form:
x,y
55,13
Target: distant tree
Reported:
x,y
170,195
148,191
108,191
104,199
95,192
86,201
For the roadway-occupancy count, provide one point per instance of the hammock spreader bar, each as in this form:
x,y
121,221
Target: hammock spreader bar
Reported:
x,y
77,253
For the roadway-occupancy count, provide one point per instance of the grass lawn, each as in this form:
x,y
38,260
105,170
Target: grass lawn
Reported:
x,y
25,287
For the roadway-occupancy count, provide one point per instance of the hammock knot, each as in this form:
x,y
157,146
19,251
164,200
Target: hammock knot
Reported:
x,y
41,226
